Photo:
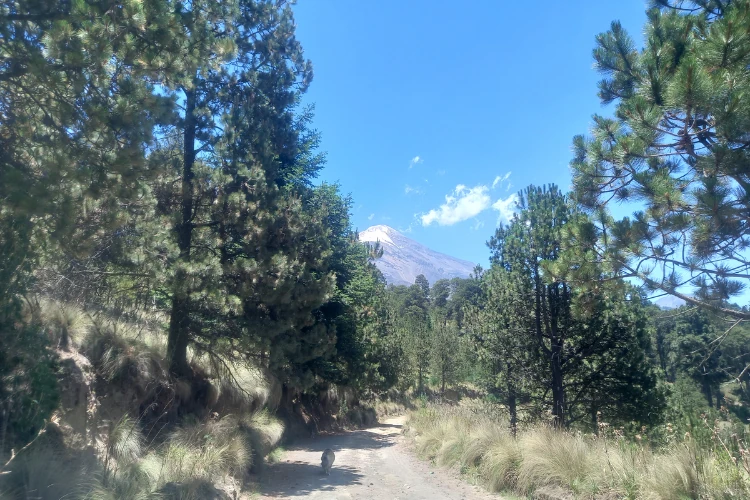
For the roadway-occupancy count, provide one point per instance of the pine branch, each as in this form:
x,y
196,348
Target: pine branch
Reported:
x,y
661,286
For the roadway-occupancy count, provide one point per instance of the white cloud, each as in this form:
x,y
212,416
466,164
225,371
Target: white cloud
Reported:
x,y
464,203
441,172
506,207
415,161
500,179
371,216
408,190
478,224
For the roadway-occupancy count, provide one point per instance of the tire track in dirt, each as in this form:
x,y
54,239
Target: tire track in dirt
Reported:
x,y
370,463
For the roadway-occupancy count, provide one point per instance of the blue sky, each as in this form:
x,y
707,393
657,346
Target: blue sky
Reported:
x,y
434,113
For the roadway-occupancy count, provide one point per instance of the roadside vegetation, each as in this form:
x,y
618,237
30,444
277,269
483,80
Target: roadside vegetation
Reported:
x,y
180,294
666,463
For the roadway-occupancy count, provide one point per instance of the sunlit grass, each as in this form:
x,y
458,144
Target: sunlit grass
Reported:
x,y
585,466
189,458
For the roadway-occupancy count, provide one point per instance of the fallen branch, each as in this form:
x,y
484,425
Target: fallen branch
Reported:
x,y
13,453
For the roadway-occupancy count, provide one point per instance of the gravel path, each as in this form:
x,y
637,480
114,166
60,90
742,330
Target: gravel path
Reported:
x,y
370,463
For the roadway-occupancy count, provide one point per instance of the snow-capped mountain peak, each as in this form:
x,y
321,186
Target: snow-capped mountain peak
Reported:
x,y
404,259
378,233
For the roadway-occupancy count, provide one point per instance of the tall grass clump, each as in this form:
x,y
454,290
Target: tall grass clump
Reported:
x,y
551,457
499,464
66,324
119,358
242,388
263,431
200,452
583,465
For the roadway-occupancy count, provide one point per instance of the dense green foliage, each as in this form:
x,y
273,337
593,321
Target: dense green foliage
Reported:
x,y
536,341
155,158
676,149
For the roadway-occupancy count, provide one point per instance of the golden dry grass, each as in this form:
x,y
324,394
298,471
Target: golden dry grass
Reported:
x,y
585,466
194,456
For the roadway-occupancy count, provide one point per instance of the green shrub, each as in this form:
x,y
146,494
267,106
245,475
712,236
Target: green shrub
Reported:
x,y
29,391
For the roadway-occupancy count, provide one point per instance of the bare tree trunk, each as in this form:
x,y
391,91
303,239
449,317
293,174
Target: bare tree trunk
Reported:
x,y
558,388
179,323
512,408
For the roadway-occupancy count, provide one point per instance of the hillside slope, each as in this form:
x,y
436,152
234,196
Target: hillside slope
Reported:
x,y
404,259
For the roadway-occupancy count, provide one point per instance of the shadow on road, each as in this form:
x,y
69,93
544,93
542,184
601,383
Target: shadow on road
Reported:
x,y
360,440
391,426
301,478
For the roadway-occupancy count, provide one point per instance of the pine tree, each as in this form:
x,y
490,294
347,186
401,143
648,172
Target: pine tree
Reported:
x,y
535,236
613,379
422,282
355,311
677,148
78,109
500,325
464,294
587,345
79,105
444,351
248,265
409,314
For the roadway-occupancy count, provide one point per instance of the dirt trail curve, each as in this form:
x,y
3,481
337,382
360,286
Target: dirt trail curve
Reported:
x,y
370,463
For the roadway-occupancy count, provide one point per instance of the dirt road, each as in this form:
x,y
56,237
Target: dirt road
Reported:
x,y
370,463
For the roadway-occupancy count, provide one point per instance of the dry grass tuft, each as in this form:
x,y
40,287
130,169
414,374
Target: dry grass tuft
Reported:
x,y
200,452
499,464
264,430
122,359
542,457
129,362
125,441
557,458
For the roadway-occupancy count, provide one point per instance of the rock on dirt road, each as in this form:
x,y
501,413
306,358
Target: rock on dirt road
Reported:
x,y
370,463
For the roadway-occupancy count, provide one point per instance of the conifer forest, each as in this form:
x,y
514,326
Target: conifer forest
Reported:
x,y
184,299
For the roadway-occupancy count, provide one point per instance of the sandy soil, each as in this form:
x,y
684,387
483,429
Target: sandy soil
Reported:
x,y
370,463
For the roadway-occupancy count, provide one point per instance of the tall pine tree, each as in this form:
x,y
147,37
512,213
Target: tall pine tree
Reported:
x,y
677,148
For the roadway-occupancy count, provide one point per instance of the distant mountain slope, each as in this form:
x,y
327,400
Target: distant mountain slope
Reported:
x,y
669,302
404,259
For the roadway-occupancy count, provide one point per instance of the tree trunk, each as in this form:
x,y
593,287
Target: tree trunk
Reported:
x,y
179,322
443,375
707,393
718,398
513,410
178,339
65,339
512,403
558,389
594,419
